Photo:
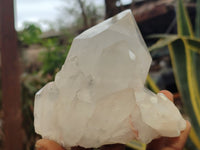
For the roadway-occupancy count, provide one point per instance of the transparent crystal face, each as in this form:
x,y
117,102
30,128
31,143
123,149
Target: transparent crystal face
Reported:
x,y
99,98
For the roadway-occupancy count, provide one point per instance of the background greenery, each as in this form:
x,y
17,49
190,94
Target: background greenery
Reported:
x,y
184,51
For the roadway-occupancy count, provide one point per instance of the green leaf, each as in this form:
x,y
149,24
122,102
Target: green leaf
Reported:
x,y
160,36
136,145
194,139
194,47
183,71
185,56
197,19
163,42
183,21
152,85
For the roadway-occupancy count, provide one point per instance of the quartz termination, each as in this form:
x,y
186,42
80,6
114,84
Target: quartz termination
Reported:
x,y
99,98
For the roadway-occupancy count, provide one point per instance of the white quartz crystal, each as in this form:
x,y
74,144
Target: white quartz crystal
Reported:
x,y
99,98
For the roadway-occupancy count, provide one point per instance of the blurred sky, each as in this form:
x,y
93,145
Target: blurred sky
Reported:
x,y
43,11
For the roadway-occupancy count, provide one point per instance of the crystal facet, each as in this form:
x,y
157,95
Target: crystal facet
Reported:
x,y
99,98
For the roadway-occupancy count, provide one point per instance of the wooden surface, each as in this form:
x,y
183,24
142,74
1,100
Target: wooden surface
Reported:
x,y
10,78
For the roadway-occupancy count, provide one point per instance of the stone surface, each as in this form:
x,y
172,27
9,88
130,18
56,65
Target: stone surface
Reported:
x,y
99,98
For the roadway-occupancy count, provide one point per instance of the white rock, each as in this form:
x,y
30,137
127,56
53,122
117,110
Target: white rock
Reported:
x,y
99,98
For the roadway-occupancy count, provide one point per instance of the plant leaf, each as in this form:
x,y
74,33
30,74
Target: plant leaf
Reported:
x,y
193,136
163,42
197,20
181,62
183,22
152,85
136,145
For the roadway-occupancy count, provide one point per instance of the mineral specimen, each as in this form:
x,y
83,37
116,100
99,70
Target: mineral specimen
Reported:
x,y
99,98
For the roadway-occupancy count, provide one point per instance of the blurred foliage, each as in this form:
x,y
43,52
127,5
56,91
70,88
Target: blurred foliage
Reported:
x,y
184,51
30,34
53,58
30,84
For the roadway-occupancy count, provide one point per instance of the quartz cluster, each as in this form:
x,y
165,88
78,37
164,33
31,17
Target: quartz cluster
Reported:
x,y
98,97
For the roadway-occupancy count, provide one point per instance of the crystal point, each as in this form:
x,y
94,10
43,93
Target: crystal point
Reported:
x,y
99,98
